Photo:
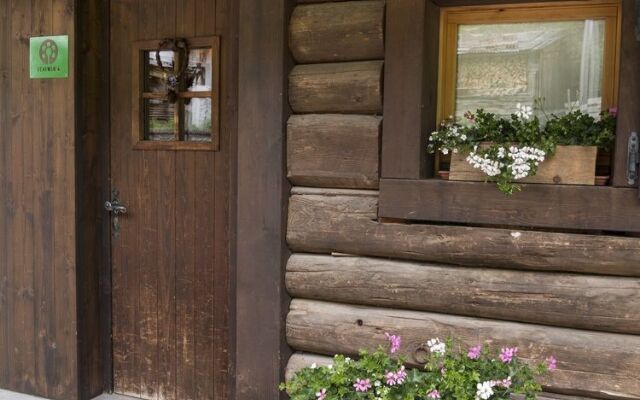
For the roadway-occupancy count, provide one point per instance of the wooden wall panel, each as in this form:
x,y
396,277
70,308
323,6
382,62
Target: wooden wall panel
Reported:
x,y
597,364
325,221
610,304
332,150
346,88
331,32
38,343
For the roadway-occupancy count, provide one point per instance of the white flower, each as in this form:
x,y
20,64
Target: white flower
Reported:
x,y
524,112
377,383
485,390
347,360
445,151
314,366
436,346
463,137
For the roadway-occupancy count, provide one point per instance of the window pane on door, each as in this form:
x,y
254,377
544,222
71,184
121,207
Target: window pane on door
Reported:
x,y
160,122
197,118
199,70
500,65
155,74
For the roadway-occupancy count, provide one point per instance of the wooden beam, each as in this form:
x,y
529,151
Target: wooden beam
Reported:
x,y
347,88
610,304
410,77
330,32
547,206
629,97
590,363
259,246
325,221
333,150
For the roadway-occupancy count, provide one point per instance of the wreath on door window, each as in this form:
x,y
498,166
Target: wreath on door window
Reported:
x,y
174,76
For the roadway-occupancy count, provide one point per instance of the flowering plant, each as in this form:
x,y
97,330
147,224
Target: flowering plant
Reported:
x,y
510,149
474,374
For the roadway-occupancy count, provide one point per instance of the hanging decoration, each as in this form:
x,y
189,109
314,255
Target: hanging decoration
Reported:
x,y
174,74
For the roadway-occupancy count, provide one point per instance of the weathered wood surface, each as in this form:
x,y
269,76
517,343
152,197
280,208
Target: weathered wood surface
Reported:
x,y
599,208
325,221
570,165
610,304
590,363
38,217
346,88
330,32
298,361
333,150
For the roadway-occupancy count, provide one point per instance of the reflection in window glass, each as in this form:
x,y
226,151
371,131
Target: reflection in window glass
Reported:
x,y
500,65
199,70
160,121
197,118
155,77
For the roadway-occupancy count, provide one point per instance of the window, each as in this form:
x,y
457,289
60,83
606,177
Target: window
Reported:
x,y
176,94
494,58
436,55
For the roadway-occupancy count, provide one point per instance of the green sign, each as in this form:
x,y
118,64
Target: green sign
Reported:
x,y
49,57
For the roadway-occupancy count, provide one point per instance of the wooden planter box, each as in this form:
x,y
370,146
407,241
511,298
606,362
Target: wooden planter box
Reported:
x,y
570,165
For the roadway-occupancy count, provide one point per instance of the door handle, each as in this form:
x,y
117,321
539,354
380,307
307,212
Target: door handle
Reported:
x,y
115,208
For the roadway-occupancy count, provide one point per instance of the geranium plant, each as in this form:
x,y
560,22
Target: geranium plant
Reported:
x,y
476,373
510,149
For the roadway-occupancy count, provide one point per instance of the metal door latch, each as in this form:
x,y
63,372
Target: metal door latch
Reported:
x,y
633,158
115,208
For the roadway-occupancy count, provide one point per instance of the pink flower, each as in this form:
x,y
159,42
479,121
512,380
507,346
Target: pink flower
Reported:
x,y
395,342
390,378
505,383
362,385
434,394
401,375
321,394
613,111
474,352
507,354
552,363
443,370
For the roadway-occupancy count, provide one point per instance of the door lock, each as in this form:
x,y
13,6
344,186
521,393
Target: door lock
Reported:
x,y
115,208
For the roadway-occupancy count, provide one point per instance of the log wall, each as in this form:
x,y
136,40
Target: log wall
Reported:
x,y
353,277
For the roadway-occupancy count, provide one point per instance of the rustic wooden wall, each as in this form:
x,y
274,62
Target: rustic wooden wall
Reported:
x,y
572,295
38,346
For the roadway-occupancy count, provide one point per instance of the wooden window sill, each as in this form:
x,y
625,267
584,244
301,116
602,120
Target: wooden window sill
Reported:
x,y
543,206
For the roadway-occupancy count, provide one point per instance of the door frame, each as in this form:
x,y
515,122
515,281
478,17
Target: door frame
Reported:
x,y
260,62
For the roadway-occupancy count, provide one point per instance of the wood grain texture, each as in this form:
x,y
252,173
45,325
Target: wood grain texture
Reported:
x,y
629,96
331,32
596,364
333,150
570,165
299,360
325,221
610,304
261,194
545,206
38,292
170,263
411,68
346,88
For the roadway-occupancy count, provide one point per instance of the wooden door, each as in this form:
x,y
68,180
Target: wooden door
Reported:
x,y
170,257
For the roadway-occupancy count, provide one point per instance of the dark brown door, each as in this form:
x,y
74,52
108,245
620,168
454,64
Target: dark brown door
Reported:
x,y
170,253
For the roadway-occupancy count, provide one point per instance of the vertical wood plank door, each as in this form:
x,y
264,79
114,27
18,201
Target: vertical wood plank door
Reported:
x,y
170,273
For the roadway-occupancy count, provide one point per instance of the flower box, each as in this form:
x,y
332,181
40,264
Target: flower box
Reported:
x,y
570,165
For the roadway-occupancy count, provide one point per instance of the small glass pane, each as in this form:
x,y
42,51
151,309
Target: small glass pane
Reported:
x,y
199,70
155,77
500,65
160,122
197,117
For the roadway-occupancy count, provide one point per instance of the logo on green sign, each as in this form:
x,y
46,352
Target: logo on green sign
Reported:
x,y
49,57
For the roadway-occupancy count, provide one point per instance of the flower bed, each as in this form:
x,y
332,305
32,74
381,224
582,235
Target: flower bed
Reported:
x,y
476,373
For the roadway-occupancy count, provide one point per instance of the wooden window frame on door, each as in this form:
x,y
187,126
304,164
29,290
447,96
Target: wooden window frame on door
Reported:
x,y
408,189
139,95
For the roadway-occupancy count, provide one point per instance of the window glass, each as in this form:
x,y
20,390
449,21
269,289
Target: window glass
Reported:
x,y
500,65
